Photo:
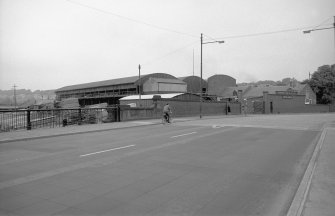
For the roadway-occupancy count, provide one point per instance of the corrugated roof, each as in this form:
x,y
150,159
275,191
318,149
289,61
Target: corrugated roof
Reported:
x,y
257,91
137,97
119,81
164,80
126,80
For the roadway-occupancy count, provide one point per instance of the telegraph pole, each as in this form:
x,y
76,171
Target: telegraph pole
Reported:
x,y
334,34
14,86
193,62
201,42
139,83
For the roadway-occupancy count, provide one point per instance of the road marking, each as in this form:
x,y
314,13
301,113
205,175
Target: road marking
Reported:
x,y
184,134
113,149
142,122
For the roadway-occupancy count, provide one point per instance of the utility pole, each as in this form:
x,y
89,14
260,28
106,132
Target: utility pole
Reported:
x,y
14,86
193,62
139,83
201,42
334,34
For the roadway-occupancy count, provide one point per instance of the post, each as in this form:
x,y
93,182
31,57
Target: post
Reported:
x,y
139,84
79,116
118,113
28,120
201,76
14,86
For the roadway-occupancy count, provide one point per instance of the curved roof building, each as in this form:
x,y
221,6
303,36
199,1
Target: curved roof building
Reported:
x,y
193,84
114,89
218,83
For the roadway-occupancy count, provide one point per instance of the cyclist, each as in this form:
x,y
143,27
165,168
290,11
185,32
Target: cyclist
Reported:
x,y
166,112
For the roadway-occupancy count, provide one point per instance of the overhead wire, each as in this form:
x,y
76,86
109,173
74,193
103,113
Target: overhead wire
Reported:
x,y
188,34
132,19
261,33
169,53
322,23
273,32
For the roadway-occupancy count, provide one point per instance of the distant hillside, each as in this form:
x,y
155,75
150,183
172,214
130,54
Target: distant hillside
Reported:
x,y
283,82
25,97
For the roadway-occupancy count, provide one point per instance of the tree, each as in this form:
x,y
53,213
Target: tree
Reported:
x,y
323,84
286,81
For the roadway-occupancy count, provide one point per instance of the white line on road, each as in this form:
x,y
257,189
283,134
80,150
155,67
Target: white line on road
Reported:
x,y
123,147
184,134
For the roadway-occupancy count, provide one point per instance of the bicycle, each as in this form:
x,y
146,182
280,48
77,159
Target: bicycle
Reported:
x,y
166,118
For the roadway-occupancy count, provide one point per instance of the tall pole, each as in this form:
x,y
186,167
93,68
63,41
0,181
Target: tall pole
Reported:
x,y
193,62
14,86
139,83
201,75
334,34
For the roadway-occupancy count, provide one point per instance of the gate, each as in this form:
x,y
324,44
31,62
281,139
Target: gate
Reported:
x,y
258,107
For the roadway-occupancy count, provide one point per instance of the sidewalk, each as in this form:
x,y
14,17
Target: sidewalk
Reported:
x,y
71,129
78,129
321,198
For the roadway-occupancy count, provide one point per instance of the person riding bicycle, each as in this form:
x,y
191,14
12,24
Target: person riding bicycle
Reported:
x,y
166,112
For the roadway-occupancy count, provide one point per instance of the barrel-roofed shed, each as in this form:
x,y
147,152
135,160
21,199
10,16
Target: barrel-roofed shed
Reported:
x,y
218,83
112,88
193,84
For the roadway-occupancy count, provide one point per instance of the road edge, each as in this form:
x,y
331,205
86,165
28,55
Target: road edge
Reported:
x,y
300,197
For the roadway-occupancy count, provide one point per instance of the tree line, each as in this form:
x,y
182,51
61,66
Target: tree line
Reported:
x,y
322,82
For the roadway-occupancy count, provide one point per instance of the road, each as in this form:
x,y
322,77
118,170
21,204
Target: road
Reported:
x,y
207,167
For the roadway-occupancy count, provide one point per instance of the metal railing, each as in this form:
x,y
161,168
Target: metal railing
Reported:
x,y
30,119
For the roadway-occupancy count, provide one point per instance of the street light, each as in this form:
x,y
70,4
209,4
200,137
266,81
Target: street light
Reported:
x,y
201,43
139,84
310,30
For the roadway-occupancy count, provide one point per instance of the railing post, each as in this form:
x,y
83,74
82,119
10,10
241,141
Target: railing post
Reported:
x,y
118,113
28,120
79,116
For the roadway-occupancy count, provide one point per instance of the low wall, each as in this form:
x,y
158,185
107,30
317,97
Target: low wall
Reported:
x,y
179,109
293,104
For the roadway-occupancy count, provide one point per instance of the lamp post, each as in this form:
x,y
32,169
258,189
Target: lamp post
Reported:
x,y
201,43
310,30
139,84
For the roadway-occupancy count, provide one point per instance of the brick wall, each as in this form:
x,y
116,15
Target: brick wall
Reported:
x,y
292,104
179,109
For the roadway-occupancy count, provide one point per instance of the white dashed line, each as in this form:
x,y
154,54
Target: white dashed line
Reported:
x,y
183,134
123,147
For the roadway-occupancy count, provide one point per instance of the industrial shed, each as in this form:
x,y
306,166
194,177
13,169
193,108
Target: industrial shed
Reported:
x,y
148,100
217,84
110,91
193,84
158,85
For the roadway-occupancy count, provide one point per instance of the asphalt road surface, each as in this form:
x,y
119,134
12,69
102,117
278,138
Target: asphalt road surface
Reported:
x,y
188,168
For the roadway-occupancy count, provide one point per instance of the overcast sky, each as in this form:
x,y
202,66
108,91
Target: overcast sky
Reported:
x,y
48,44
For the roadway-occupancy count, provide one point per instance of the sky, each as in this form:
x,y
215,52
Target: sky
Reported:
x,y
49,44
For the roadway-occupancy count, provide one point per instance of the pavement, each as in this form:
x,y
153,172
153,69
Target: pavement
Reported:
x,y
21,135
317,195
320,198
